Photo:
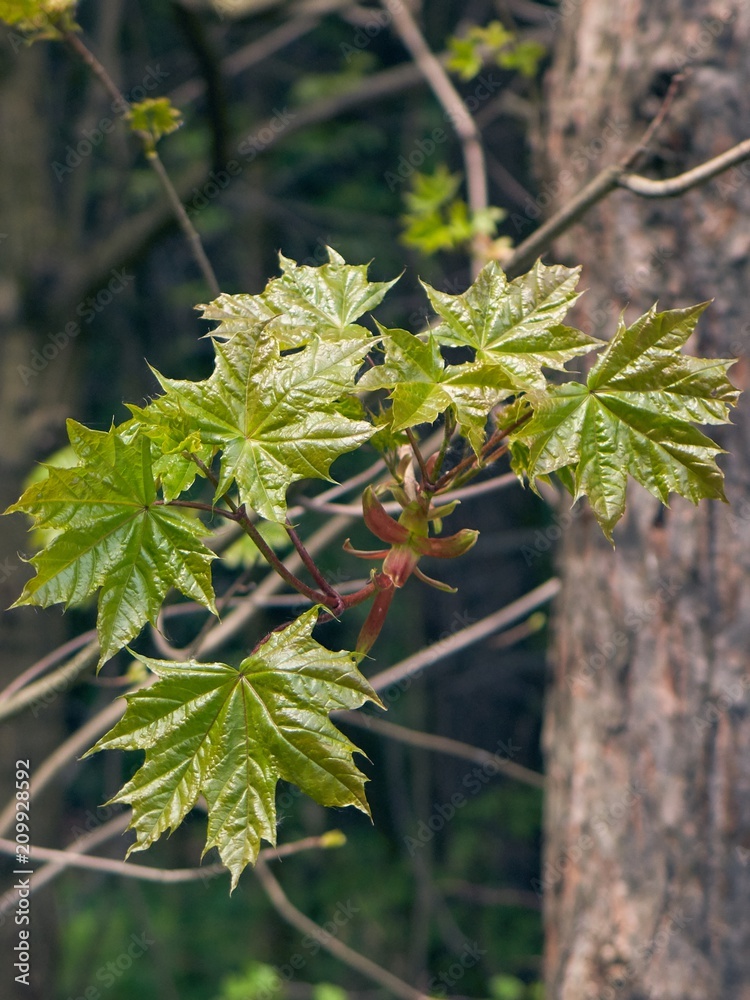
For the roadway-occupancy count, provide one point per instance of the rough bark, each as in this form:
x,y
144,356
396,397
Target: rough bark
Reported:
x,y
647,730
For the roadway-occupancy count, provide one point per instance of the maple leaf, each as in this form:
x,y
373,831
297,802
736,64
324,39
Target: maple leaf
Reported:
x,y
516,324
424,386
230,734
635,415
113,535
304,304
275,418
175,439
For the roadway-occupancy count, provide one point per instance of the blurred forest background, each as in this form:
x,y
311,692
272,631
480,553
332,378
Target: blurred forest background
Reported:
x,y
307,123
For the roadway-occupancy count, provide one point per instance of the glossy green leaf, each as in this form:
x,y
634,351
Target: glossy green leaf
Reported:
x,y
635,415
304,304
113,535
515,324
424,386
275,418
175,438
230,734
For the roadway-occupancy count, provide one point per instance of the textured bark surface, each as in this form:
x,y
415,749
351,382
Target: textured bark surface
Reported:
x,y
647,731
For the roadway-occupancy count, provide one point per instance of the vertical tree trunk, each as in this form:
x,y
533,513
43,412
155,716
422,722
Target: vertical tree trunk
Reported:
x,y
647,730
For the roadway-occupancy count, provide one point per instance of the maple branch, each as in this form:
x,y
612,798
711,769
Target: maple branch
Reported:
x,y
76,856
394,507
464,637
470,466
78,46
443,744
619,175
449,426
297,919
209,508
273,560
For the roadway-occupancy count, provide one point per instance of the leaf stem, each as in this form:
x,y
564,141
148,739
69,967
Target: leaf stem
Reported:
x,y
449,427
241,517
490,452
426,481
309,562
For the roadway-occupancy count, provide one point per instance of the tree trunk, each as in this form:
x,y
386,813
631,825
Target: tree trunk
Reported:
x,y
647,731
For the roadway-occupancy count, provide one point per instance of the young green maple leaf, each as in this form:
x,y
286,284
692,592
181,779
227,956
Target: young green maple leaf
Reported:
x,y
424,386
174,438
230,734
515,324
113,535
324,301
276,419
304,304
236,313
635,414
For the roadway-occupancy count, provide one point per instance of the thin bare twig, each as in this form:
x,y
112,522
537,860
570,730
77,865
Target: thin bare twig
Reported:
x,y
465,637
620,175
44,664
59,680
443,744
84,844
393,507
76,856
289,912
79,47
672,186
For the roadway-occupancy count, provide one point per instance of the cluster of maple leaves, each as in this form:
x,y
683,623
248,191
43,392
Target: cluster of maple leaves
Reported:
x,y
289,394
